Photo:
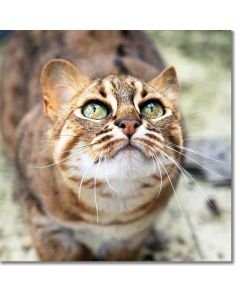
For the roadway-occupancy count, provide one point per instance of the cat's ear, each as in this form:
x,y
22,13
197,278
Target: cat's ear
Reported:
x,y
166,82
60,82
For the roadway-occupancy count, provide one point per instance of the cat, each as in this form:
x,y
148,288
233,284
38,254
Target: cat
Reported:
x,y
92,146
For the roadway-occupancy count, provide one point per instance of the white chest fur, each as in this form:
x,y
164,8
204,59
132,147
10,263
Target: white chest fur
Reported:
x,y
127,195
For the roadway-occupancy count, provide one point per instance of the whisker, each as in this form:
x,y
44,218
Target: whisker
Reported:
x,y
195,162
110,144
160,173
182,170
79,147
192,114
59,135
103,138
95,192
191,138
170,182
198,153
174,162
111,187
187,218
154,165
64,175
85,173
56,163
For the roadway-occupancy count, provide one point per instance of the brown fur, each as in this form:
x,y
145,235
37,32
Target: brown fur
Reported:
x,y
53,208
29,51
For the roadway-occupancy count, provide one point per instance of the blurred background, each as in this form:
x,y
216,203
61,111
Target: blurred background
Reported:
x,y
202,231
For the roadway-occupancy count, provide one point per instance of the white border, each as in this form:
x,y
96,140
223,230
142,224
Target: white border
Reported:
x,y
156,281
119,14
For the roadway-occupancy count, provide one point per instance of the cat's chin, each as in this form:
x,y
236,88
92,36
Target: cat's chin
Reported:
x,y
129,163
130,153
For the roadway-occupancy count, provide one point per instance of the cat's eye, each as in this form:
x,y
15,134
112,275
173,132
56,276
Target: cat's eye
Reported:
x,y
95,110
152,109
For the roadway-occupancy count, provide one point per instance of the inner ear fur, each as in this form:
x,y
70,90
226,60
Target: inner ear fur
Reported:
x,y
60,81
166,82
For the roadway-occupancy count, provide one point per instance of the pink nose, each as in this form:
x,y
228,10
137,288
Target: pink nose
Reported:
x,y
129,127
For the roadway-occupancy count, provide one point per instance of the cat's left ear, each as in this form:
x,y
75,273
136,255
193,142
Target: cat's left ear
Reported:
x,y
60,81
167,84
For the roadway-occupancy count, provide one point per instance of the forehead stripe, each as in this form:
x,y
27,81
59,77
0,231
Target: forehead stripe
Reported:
x,y
137,97
108,89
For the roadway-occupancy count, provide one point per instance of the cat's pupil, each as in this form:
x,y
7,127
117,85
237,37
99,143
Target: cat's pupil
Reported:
x,y
150,106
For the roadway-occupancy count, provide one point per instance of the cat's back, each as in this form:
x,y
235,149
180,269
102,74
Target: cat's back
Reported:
x,y
95,53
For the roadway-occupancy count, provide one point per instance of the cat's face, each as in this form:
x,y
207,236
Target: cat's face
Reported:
x,y
118,122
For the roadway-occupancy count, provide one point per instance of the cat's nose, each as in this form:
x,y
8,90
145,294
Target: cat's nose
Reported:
x,y
129,127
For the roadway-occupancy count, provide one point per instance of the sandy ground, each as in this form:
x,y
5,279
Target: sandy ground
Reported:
x,y
193,232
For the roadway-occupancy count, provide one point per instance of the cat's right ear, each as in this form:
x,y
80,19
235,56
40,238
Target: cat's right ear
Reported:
x,y
60,82
167,84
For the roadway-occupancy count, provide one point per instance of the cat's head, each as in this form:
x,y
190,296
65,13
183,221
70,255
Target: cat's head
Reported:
x,y
120,122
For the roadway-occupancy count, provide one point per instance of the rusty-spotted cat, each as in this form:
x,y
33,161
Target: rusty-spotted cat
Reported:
x,y
94,167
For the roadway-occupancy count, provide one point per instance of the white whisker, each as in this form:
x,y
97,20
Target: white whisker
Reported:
x,y
85,172
95,192
198,153
64,175
160,173
154,165
187,218
105,173
79,147
182,170
195,162
175,194
56,163
159,168
174,162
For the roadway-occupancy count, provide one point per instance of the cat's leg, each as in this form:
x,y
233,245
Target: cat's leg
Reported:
x,y
129,250
118,253
52,241
122,250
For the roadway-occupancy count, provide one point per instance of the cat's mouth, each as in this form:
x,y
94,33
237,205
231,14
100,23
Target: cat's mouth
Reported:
x,y
130,149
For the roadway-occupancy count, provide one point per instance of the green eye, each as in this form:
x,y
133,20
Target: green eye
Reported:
x,y
152,110
95,110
